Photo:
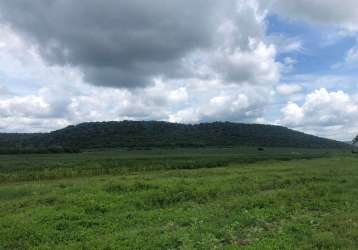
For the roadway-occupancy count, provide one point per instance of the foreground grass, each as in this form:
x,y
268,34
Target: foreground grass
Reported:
x,y
300,204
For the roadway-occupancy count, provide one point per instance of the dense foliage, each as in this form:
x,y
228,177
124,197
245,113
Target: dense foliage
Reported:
x,y
355,140
140,134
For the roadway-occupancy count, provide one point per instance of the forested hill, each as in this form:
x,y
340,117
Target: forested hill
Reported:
x,y
137,134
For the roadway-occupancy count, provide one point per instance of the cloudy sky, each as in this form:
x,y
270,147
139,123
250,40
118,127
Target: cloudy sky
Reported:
x,y
292,63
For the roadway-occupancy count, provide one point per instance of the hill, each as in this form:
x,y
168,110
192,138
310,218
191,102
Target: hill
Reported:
x,y
143,134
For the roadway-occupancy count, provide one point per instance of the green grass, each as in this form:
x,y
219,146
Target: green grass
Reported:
x,y
107,162
268,204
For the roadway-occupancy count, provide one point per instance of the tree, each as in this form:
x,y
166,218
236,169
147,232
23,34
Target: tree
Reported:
x,y
355,140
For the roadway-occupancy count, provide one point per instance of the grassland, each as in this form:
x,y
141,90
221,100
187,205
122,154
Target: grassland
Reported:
x,y
121,161
180,199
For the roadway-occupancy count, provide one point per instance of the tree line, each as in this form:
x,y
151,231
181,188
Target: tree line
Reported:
x,y
147,134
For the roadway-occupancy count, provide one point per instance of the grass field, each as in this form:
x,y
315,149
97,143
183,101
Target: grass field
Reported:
x,y
180,199
106,162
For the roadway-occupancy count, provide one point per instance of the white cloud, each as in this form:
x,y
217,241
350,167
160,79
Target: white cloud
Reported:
x,y
285,44
178,95
28,106
293,114
350,60
189,115
311,82
255,66
233,77
131,46
323,112
231,80
227,103
288,89
352,56
23,124
341,13
4,91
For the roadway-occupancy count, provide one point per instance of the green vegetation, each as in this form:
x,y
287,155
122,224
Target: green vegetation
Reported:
x,y
132,134
234,198
34,167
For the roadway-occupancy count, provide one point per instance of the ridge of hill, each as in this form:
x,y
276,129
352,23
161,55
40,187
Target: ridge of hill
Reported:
x,y
141,134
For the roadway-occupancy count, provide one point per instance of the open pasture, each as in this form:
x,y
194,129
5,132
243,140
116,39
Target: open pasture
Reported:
x,y
180,199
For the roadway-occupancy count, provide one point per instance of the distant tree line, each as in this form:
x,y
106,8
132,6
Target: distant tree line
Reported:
x,y
355,140
148,134
355,143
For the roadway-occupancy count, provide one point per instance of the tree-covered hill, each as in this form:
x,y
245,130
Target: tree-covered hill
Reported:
x,y
137,134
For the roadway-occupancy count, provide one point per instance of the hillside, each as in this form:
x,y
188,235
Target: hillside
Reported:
x,y
137,134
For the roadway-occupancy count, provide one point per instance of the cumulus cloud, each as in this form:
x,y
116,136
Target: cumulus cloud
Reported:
x,y
88,103
179,61
341,13
116,43
255,66
323,112
49,108
23,125
4,91
129,43
288,89
154,60
228,103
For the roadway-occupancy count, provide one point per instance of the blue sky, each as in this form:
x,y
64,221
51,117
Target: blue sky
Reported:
x,y
322,49
291,63
321,46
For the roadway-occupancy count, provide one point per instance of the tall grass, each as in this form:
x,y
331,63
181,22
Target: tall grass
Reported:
x,y
108,162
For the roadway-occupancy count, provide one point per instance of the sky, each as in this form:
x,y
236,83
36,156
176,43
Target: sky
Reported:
x,y
291,63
